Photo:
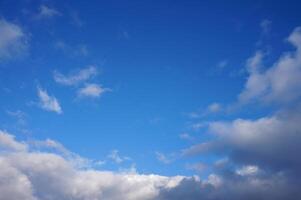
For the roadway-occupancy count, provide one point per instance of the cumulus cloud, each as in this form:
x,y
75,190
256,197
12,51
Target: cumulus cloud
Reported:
x,y
37,175
13,40
279,83
265,142
92,90
76,77
48,103
7,142
260,154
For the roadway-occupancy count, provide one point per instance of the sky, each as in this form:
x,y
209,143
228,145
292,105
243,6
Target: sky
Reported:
x,y
150,99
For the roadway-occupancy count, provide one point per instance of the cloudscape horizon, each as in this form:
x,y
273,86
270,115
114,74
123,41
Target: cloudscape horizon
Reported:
x,y
150,100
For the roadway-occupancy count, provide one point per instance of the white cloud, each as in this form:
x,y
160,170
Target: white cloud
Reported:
x,y
49,103
92,90
13,41
214,108
279,83
114,156
77,77
164,158
32,174
8,142
248,170
47,12
37,175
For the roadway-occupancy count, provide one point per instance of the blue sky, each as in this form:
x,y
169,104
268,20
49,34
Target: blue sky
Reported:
x,y
136,84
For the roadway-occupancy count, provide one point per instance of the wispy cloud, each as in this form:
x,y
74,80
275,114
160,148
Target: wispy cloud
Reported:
x,y
75,77
19,115
222,64
114,156
47,102
72,50
92,90
265,26
76,20
13,40
46,12
166,159
198,167
186,136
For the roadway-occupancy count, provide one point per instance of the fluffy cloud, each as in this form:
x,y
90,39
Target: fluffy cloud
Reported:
x,y
35,175
266,142
13,40
77,77
260,154
49,103
92,90
31,174
280,83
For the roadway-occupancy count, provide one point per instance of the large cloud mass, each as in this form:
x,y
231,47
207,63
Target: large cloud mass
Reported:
x,y
30,174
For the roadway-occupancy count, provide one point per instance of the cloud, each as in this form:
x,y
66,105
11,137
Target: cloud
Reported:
x,y
7,142
13,40
199,167
186,136
37,175
76,77
76,20
73,50
260,160
114,156
48,103
46,12
248,170
19,115
214,108
230,186
92,90
166,159
265,26
279,83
